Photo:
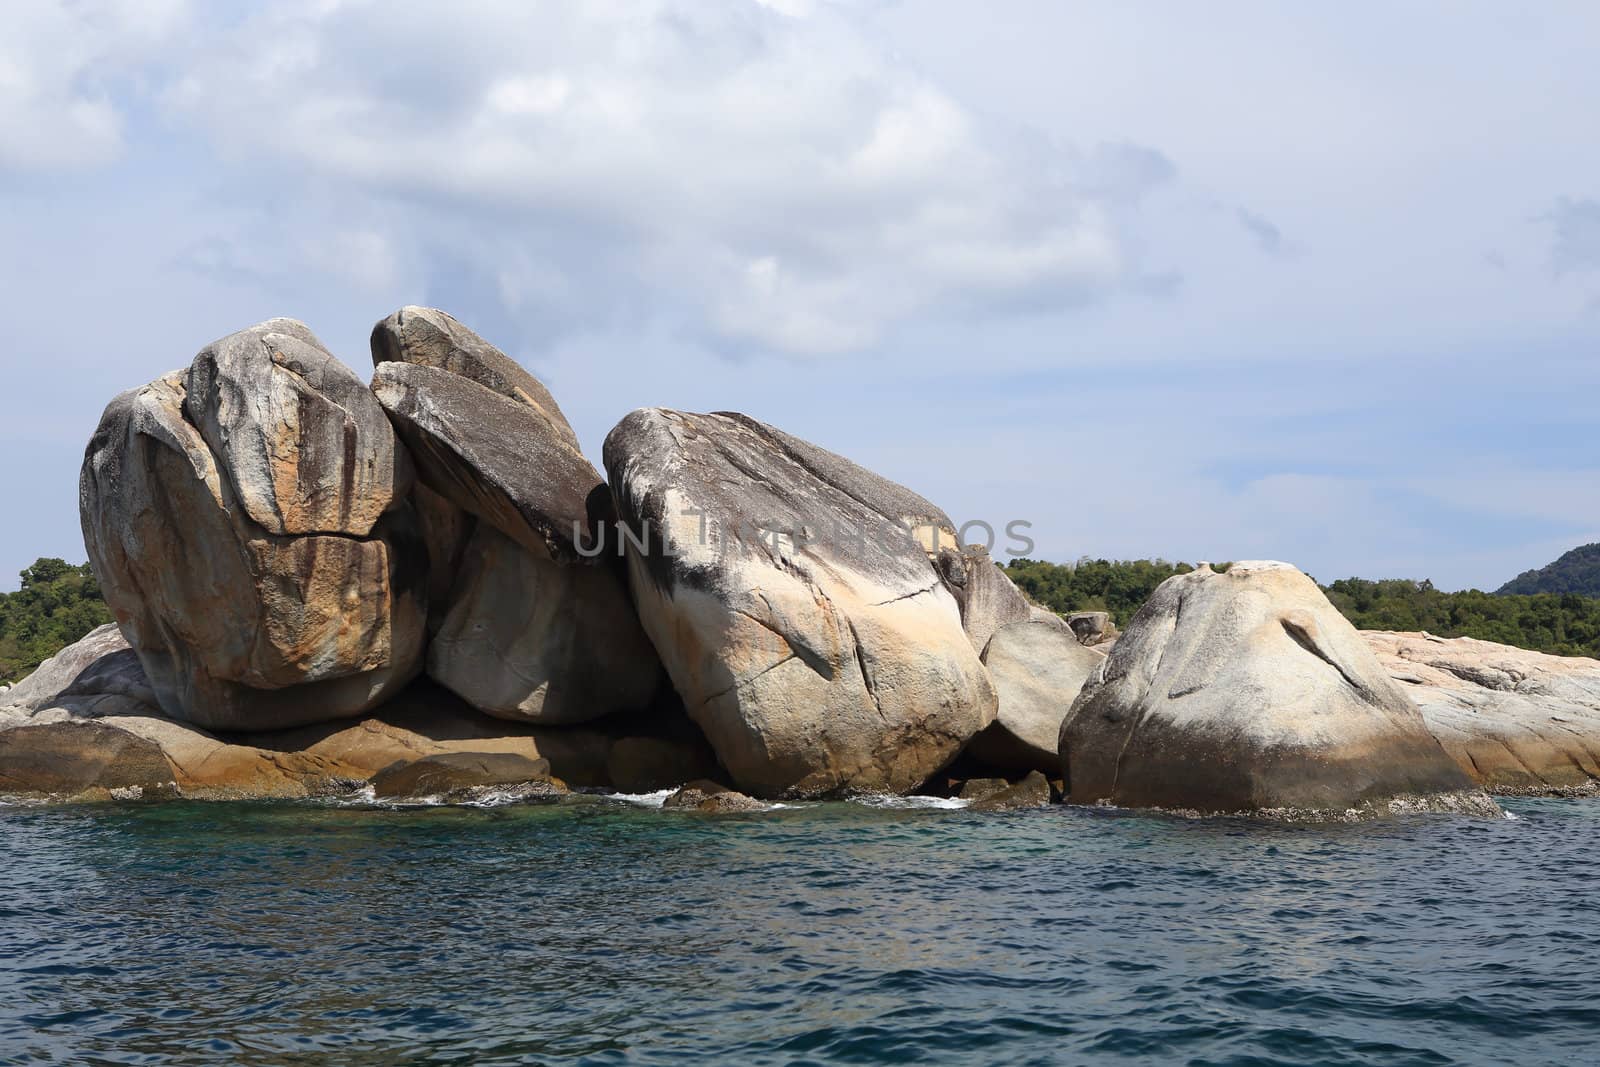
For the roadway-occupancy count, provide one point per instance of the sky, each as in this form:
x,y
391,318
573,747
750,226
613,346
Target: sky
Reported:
x,y
1216,281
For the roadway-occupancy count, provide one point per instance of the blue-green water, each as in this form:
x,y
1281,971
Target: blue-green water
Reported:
x,y
842,933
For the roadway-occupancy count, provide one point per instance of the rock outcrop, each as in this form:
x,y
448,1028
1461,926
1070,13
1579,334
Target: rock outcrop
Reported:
x,y
538,626
1038,668
1033,791
799,618
1516,721
460,775
248,522
96,683
711,799
1247,691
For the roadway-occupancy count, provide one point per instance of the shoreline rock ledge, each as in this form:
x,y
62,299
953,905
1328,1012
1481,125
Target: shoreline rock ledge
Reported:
x,y
1246,691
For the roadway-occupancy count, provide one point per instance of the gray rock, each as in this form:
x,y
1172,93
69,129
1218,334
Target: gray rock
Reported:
x,y
71,758
986,595
800,621
1516,721
454,773
1038,668
978,788
712,799
538,626
1033,791
98,674
532,639
238,627
1092,627
1248,691
429,337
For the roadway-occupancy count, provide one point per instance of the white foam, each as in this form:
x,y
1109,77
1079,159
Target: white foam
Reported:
x,y
643,800
914,802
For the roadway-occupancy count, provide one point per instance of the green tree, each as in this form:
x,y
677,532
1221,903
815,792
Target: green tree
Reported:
x,y
57,604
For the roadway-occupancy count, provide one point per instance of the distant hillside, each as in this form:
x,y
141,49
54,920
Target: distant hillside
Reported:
x,y
1576,572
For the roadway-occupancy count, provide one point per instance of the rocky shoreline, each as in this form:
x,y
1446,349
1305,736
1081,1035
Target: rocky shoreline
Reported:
x,y
422,587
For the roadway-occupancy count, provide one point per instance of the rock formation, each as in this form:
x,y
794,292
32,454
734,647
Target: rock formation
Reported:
x,y
248,523
81,726
1038,668
1247,691
1516,721
538,626
801,621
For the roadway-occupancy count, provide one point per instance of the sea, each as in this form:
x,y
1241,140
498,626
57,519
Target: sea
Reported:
x,y
605,930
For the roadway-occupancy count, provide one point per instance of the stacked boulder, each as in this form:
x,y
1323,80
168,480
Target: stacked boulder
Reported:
x,y
423,585
537,625
249,522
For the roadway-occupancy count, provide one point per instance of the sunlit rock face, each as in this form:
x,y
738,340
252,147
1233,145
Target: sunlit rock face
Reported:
x,y
1247,691
249,524
1516,721
536,625
797,613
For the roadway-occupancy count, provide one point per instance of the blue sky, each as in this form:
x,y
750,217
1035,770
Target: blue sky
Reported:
x,y
1318,283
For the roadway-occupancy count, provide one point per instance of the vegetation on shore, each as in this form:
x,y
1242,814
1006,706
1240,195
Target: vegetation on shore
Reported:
x,y
1564,624
57,604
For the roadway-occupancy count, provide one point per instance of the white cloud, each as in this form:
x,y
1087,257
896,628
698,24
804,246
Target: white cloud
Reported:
x,y
767,173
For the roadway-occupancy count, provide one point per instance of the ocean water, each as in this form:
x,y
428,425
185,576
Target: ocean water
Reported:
x,y
607,932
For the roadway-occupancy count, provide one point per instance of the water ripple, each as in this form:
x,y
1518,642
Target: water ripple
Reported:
x,y
608,932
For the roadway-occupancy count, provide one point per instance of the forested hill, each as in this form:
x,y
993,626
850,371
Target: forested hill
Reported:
x,y
57,604
1563,624
1576,572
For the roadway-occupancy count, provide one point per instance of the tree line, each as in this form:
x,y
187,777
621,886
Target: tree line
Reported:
x,y
1564,624
59,603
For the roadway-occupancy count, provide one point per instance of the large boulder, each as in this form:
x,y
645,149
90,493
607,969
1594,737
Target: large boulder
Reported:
x,y
1516,721
1038,668
538,625
1248,691
249,526
797,615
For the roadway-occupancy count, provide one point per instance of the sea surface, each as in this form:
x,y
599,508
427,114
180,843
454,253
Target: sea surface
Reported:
x,y
606,931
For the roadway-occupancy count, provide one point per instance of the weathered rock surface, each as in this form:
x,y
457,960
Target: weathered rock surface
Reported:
x,y
804,627
1516,721
531,639
305,446
647,752
1092,627
978,788
1247,691
986,595
711,798
72,758
539,626
429,337
97,675
1038,668
1033,791
279,579
452,774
